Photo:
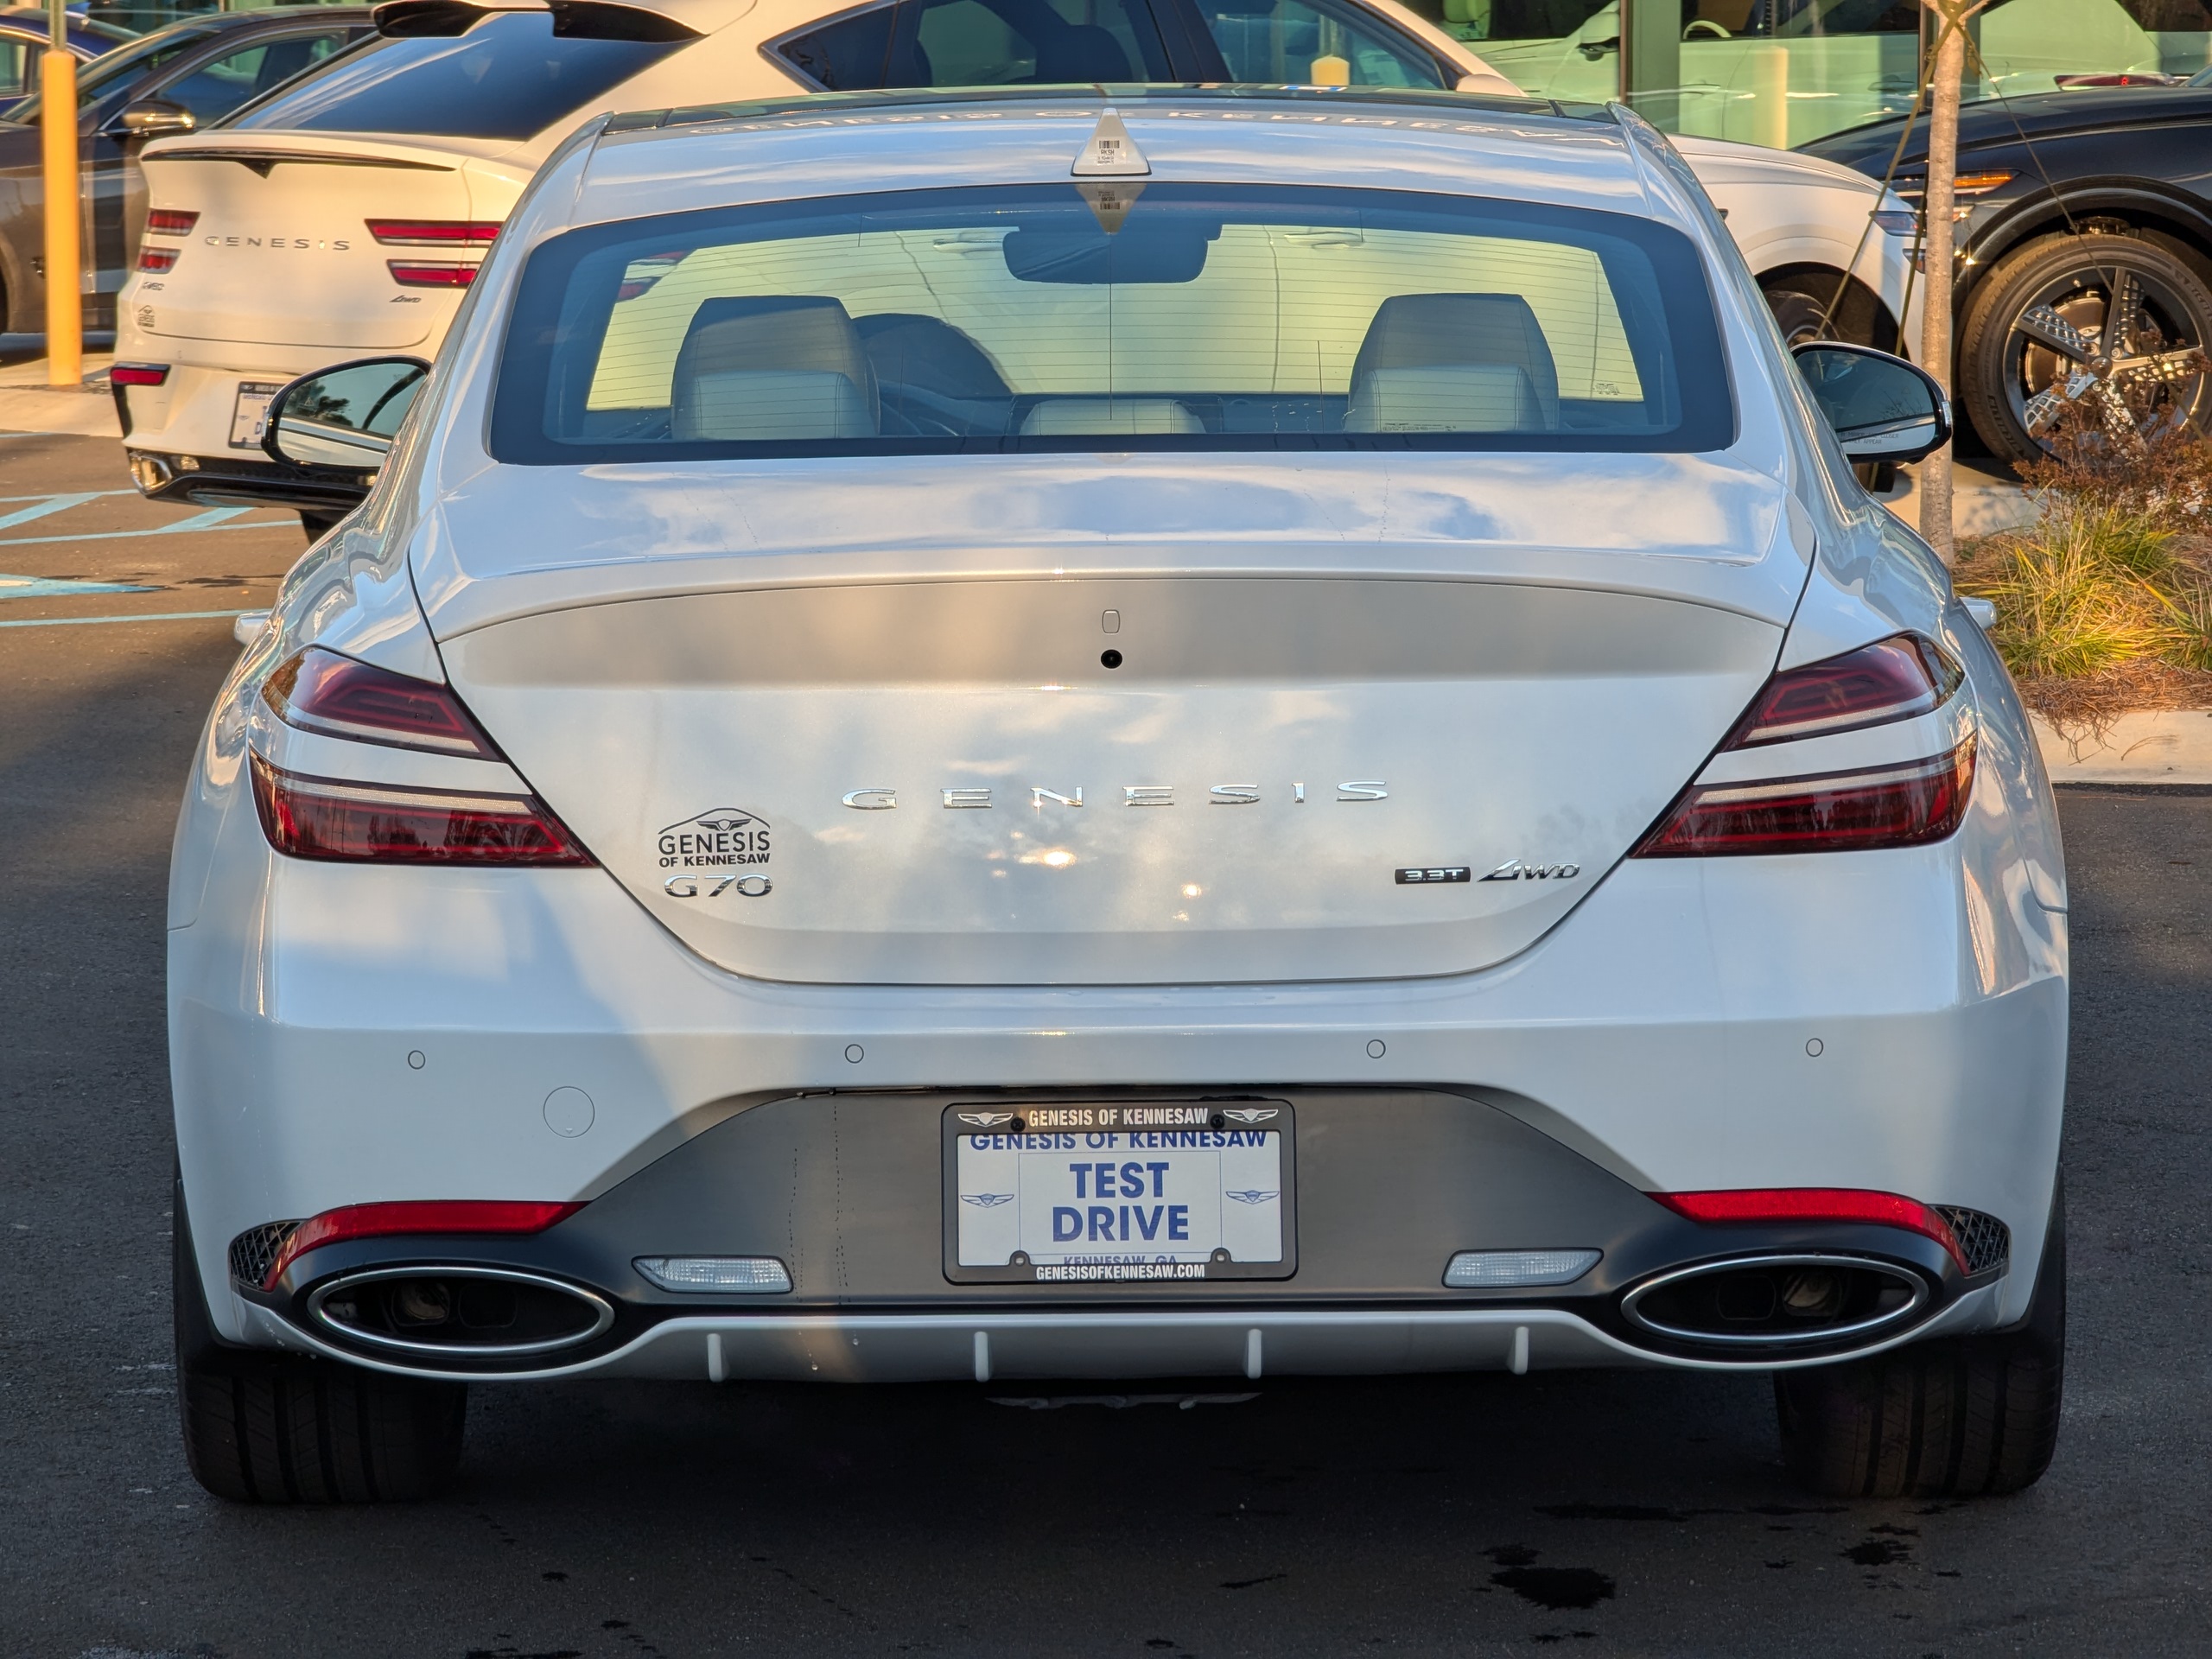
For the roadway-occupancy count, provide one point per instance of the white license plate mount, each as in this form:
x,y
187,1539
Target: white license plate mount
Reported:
x,y
1134,1194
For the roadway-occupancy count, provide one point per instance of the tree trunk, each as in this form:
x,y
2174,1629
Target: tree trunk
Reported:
x,y
1944,73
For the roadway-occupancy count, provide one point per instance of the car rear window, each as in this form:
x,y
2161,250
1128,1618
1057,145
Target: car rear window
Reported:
x,y
1160,317
509,76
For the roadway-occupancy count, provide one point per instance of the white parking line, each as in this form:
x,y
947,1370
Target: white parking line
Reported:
x,y
150,616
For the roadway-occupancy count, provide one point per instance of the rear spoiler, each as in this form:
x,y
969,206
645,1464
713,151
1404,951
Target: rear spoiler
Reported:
x,y
583,20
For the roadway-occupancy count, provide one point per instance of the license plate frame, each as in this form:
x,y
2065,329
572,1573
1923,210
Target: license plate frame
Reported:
x,y
1081,1121
250,409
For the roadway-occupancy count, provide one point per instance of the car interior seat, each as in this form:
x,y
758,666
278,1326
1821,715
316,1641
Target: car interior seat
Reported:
x,y
786,366
1453,363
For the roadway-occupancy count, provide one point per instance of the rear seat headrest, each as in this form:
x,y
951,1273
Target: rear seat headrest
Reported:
x,y
791,335
1434,331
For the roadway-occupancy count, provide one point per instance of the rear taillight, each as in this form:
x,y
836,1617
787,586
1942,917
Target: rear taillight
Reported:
x,y
1903,803
320,691
170,221
1900,805
430,273
435,233
343,820
1891,679
1816,1204
447,1216
138,374
153,258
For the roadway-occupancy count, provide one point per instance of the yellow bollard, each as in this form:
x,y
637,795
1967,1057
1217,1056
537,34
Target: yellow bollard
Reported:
x,y
65,302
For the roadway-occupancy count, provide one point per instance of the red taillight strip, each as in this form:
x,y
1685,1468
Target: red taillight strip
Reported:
x,y
1847,1204
170,221
414,1216
1891,679
430,273
138,374
320,691
336,819
1903,806
158,259
434,232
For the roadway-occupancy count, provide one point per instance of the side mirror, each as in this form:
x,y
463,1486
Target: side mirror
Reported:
x,y
151,118
1881,407
343,416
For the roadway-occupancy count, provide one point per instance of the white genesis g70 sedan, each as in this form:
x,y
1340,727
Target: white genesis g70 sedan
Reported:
x,y
998,736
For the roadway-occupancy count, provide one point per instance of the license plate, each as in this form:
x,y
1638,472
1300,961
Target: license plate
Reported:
x,y
251,411
1119,1193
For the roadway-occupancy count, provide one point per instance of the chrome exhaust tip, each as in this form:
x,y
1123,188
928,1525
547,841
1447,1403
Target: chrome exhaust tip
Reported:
x,y
1784,1301
464,1312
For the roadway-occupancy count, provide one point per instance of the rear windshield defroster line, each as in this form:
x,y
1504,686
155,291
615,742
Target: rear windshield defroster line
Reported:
x,y
1043,318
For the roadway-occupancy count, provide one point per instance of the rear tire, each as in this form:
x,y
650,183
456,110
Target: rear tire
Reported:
x,y
1959,1418
1808,307
263,1428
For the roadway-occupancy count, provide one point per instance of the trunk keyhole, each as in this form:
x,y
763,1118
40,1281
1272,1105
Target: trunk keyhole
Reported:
x,y
1110,658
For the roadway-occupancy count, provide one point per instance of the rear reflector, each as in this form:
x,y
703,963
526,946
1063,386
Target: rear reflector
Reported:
x,y
320,691
430,273
170,221
1906,805
414,1216
729,1276
1507,1269
435,233
1844,1204
1891,679
138,374
153,258
333,819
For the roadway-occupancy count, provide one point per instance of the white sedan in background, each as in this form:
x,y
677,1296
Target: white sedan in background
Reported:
x,y
347,211
992,737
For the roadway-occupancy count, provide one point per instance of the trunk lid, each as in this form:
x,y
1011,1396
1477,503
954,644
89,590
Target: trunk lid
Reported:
x,y
912,764
282,254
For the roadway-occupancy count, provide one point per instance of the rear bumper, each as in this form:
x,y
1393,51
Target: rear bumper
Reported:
x,y
232,481
345,1034
846,1192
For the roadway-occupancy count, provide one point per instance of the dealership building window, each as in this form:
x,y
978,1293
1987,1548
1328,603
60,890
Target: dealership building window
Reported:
x,y
1787,71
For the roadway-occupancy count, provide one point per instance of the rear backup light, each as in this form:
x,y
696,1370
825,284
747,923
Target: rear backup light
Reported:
x,y
138,374
435,233
320,691
154,258
333,819
170,221
728,1275
1891,679
445,1216
1816,1204
1899,805
430,273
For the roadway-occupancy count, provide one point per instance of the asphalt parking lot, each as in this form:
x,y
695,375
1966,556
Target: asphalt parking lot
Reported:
x,y
1597,1513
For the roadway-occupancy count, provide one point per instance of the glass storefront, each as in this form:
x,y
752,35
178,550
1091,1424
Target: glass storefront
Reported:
x,y
1786,72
